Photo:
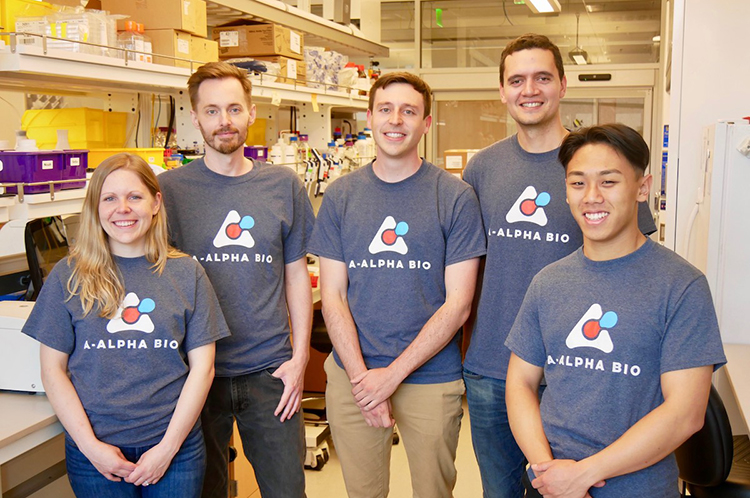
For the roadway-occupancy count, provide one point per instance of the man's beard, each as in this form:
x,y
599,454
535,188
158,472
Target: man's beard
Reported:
x,y
221,146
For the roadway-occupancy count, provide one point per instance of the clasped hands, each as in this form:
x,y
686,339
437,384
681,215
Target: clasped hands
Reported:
x,y
372,390
561,479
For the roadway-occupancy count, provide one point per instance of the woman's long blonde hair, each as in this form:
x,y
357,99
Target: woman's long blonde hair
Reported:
x,y
95,277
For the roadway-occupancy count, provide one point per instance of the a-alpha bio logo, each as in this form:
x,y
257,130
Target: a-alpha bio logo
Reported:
x,y
592,330
529,207
390,237
235,231
133,315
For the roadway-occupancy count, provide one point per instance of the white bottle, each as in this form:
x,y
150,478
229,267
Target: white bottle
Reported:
x,y
363,152
290,154
276,155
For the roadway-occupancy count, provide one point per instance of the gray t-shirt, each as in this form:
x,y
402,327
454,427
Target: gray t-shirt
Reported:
x,y
529,225
396,240
243,230
605,332
129,371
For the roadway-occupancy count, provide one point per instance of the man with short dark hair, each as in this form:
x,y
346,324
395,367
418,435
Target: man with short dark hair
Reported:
x,y
248,223
521,190
399,242
624,332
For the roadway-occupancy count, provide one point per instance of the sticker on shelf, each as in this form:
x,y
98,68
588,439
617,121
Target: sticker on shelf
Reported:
x,y
275,98
314,100
295,42
229,39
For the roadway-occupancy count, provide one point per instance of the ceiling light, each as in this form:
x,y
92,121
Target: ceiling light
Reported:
x,y
578,55
543,6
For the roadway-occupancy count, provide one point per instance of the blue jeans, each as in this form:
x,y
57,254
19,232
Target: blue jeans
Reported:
x,y
276,450
183,478
501,462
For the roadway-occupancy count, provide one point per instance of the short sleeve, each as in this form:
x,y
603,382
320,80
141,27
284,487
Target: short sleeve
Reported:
x,y
50,322
206,323
470,173
466,237
691,338
525,337
298,234
326,238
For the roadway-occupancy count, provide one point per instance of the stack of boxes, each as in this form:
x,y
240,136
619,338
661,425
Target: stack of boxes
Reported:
x,y
177,28
265,42
455,160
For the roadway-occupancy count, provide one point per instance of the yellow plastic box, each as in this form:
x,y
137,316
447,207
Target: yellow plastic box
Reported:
x,y
153,156
87,128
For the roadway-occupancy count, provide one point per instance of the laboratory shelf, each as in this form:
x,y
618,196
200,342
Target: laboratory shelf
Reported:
x,y
32,69
318,31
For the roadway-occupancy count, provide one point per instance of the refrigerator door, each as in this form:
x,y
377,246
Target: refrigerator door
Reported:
x,y
728,252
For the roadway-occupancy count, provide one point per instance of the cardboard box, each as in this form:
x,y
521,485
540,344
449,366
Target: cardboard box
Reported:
x,y
204,50
248,39
185,15
291,69
172,43
456,159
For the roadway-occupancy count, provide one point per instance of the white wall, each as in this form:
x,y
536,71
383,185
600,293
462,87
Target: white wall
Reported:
x,y
710,75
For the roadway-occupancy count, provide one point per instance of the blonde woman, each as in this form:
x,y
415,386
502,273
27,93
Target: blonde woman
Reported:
x,y
128,325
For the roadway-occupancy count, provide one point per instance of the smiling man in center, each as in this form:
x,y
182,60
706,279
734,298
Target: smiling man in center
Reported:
x,y
399,242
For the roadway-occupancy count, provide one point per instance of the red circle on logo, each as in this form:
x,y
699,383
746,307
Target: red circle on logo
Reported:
x,y
591,329
528,207
130,315
389,237
233,230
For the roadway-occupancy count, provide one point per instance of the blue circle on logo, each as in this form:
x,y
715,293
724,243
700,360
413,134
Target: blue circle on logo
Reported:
x,y
247,222
609,319
147,305
402,228
542,199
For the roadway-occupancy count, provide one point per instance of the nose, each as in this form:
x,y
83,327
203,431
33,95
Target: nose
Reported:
x,y
224,117
123,206
394,117
592,194
529,87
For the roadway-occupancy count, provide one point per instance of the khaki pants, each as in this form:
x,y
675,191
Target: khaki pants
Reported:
x,y
428,418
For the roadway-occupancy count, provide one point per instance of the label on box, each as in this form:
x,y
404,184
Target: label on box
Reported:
x,y
186,7
183,46
229,39
75,161
454,162
294,42
49,164
291,69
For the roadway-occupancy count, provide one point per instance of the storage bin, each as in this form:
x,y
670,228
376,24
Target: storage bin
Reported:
x,y
87,128
75,163
152,155
257,152
30,167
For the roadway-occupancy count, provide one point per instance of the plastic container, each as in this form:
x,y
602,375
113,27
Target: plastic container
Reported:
x,y
31,167
290,154
276,154
75,163
151,155
257,152
130,39
87,128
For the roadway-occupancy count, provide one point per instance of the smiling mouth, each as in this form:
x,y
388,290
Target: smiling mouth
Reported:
x,y
124,224
531,105
394,134
596,216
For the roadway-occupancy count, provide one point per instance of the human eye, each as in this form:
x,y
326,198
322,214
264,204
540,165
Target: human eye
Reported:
x,y
409,112
235,110
211,112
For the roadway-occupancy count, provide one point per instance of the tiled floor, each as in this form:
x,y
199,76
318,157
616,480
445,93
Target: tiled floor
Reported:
x,y
329,483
